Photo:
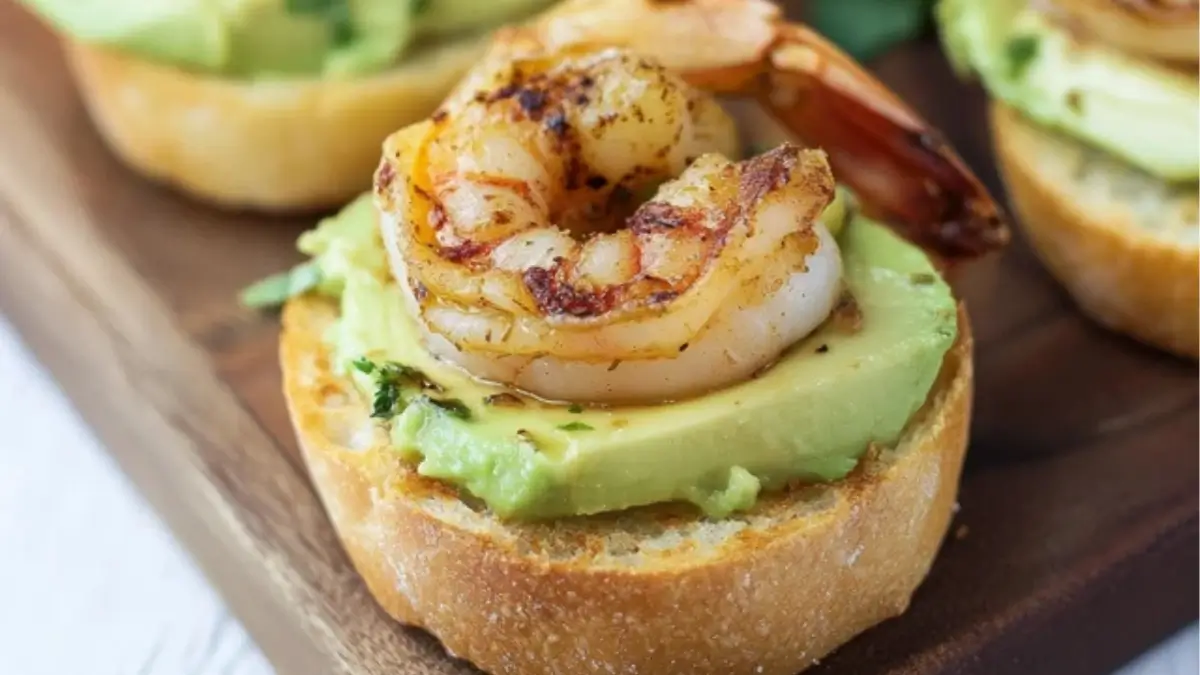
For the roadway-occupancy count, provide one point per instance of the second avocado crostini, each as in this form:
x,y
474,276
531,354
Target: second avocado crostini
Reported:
x,y
273,105
588,386
1096,128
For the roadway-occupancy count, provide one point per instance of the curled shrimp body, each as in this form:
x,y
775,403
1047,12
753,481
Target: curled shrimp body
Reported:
x,y
571,221
511,218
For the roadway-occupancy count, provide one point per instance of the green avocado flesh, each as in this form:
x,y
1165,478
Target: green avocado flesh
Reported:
x,y
1141,112
809,417
275,38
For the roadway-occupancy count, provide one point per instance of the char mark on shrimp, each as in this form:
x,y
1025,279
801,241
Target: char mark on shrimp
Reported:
x,y
540,95
772,171
465,252
653,216
557,123
556,296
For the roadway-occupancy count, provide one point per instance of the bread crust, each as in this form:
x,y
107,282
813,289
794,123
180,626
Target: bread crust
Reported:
x,y
1124,277
270,146
653,590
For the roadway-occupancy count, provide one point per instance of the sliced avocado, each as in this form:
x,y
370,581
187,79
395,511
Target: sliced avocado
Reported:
x,y
273,38
441,17
189,33
269,42
1146,114
974,32
810,417
381,30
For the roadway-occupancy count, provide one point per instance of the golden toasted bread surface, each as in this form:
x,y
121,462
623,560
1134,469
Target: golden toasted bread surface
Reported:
x,y
1123,244
289,145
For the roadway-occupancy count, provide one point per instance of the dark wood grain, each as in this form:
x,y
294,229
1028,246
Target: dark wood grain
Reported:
x,y
1078,528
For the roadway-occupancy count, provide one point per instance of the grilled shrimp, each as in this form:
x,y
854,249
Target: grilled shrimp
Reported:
x,y
571,221
513,225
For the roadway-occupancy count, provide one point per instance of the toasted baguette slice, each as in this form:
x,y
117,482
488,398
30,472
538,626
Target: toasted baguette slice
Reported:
x,y
1124,244
270,146
652,590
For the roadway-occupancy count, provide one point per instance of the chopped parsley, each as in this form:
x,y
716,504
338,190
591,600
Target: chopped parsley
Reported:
x,y
388,401
393,380
279,288
1021,51
390,380
419,7
922,278
575,426
575,408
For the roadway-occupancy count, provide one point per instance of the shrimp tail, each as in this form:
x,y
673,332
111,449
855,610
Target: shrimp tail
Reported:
x,y
903,169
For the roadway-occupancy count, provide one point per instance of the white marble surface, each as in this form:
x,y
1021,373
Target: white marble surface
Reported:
x,y
91,582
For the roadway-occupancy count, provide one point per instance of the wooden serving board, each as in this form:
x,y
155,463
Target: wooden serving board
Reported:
x,y
1075,547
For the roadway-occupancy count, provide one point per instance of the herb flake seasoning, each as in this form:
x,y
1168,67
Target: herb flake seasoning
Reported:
x,y
388,401
575,426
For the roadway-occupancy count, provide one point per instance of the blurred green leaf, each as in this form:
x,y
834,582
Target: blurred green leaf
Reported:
x,y
868,28
278,288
